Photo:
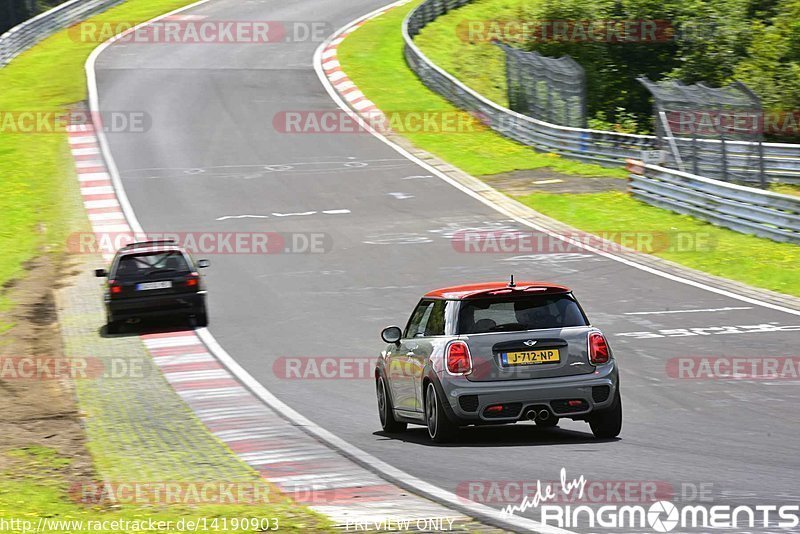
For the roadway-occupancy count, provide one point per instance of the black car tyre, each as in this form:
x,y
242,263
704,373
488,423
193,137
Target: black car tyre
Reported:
x,y
440,428
608,423
201,318
386,410
112,326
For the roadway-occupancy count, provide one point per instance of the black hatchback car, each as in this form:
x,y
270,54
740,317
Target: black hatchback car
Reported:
x,y
152,279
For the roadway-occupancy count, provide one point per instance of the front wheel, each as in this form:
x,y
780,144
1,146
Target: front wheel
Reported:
x,y
386,410
440,428
608,423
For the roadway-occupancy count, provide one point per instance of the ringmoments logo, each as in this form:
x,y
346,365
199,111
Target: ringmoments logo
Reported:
x,y
660,516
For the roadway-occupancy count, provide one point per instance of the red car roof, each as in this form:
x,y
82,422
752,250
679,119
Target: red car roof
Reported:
x,y
490,289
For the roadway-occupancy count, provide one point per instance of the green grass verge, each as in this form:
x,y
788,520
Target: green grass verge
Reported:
x,y
35,488
479,64
756,261
372,58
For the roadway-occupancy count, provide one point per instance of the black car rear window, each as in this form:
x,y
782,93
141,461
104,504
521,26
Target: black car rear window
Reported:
x,y
150,264
512,313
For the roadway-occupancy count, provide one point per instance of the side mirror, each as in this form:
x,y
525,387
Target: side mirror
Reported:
x,y
202,264
392,334
100,273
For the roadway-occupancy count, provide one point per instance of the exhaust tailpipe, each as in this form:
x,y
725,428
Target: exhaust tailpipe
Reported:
x,y
543,415
531,414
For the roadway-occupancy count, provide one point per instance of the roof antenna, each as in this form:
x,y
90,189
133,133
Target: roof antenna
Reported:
x,y
511,283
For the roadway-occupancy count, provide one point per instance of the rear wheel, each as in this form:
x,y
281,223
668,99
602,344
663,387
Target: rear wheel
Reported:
x,y
386,410
608,423
201,318
112,326
440,428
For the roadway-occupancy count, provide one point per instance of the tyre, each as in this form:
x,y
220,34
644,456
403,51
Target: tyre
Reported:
x,y
608,423
386,410
112,326
201,319
440,428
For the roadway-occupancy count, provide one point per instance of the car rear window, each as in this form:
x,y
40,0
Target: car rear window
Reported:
x,y
514,313
150,264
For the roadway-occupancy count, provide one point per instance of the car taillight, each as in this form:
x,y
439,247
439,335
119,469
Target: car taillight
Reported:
x,y
459,361
193,280
598,348
114,288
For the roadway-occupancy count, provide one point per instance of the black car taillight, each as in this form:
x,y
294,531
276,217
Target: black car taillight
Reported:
x,y
114,288
598,348
193,281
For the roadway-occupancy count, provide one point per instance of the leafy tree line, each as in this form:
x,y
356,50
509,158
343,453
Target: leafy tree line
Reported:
x,y
715,42
13,12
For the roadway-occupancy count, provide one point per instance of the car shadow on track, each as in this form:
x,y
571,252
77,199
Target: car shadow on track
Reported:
x,y
148,327
500,436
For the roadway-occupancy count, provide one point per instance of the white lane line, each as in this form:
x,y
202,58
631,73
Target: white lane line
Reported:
x,y
400,196
299,213
226,217
709,310
336,212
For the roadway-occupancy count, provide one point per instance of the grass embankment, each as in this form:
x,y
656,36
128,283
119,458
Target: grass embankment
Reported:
x,y
35,494
372,58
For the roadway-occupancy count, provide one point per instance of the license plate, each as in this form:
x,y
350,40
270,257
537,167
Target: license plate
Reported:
x,y
153,285
532,357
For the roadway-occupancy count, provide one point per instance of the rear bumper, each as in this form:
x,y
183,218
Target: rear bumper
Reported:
x,y
597,390
153,306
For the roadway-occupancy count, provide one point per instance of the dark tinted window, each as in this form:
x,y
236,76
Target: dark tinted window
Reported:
x,y
511,313
435,324
416,325
151,264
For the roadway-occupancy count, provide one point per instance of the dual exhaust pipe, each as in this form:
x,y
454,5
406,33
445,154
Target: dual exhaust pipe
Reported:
x,y
540,415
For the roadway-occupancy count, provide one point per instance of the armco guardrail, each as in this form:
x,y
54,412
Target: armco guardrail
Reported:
x,y
589,145
744,209
782,161
25,35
